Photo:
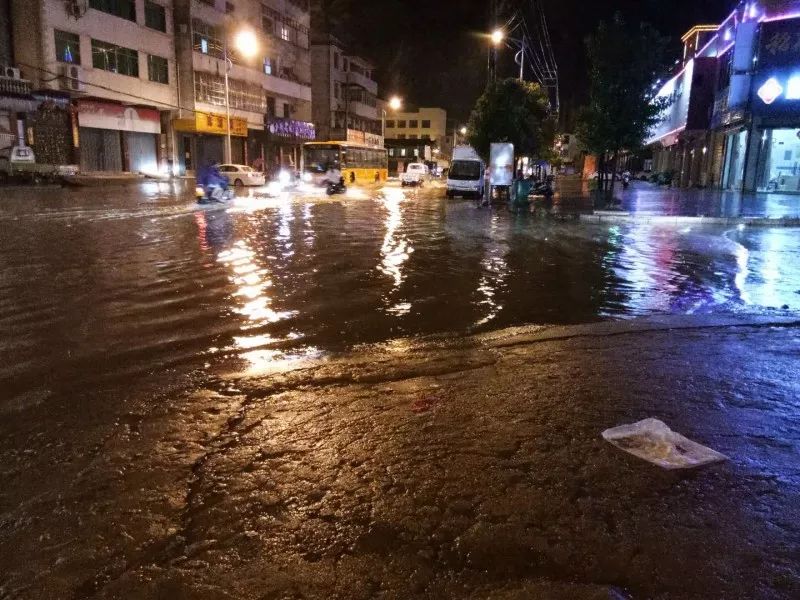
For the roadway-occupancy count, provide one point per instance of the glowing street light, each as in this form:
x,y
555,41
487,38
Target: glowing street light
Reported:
x,y
463,131
246,43
498,36
395,103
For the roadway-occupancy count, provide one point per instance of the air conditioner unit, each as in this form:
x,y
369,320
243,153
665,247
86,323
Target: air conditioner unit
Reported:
x,y
11,73
71,78
76,8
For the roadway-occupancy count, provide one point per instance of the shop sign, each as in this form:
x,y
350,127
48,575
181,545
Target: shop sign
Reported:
x,y
780,44
362,137
214,124
290,129
107,115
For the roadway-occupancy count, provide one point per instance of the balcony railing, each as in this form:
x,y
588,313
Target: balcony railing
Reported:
x,y
20,87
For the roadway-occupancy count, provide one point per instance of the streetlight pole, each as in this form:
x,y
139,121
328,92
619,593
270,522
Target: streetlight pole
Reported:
x,y
228,154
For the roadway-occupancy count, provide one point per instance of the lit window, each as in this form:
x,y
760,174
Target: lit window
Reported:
x,y
268,66
68,47
285,33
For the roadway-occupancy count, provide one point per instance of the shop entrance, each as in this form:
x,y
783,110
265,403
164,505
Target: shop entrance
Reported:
x,y
778,167
735,152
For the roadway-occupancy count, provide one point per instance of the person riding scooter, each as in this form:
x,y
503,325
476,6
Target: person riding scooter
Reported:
x,y
214,184
333,180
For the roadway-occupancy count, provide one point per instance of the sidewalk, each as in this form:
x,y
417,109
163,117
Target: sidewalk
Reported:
x,y
462,468
645,200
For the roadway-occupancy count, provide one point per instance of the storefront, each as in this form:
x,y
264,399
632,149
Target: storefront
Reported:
x,y
774,161
115,137
285,139
201,140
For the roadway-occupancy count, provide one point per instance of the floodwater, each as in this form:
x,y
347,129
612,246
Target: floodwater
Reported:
x,y
102,285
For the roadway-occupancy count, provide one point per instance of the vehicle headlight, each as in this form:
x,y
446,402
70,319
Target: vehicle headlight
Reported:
x,y
307,177
284,178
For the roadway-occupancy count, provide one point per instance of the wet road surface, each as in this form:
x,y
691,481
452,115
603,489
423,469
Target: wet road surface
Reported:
x,y
238,404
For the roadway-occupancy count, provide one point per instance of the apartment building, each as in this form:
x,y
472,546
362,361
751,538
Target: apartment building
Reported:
x,y
269,93
346,106
101,74
423,124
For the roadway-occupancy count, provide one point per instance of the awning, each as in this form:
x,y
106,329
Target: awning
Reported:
x,y
108,115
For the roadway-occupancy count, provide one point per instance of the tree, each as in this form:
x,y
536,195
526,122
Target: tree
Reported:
x,y
513,111
623,107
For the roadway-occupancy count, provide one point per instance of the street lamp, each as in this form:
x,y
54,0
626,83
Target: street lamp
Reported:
x,y
246,44
463,131
498,37
395,103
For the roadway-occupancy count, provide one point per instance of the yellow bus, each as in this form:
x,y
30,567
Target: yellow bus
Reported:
x,y
357,162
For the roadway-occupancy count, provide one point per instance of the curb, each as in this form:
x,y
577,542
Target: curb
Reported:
x,y
625,217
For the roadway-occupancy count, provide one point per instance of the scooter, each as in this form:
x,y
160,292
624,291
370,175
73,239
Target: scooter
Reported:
x,y
337,188
214,194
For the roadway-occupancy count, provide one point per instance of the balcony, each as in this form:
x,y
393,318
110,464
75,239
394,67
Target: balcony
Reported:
x,y
17,87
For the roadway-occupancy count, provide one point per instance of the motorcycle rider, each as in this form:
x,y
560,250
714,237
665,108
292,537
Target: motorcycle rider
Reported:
x,y
333,176
213,182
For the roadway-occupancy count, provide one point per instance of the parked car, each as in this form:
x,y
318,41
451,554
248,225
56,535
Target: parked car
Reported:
x,y
242,175
415,174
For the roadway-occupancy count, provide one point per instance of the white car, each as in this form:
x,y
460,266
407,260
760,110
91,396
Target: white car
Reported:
x,y
415,174
240,175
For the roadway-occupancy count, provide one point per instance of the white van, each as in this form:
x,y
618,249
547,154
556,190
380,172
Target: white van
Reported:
x,y
465,177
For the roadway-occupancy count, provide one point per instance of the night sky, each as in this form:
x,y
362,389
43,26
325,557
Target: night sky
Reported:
x,y
430,53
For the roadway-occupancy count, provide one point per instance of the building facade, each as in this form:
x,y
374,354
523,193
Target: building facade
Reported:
x,y
422,124
102,73
346,105
269,93
734,121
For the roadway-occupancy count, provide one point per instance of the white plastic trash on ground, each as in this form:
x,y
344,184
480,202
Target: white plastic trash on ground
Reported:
x,y
653,441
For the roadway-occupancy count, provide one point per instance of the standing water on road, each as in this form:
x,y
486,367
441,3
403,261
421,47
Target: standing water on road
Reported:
x,y
137,281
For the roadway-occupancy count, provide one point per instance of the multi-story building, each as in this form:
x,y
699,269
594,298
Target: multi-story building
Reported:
x,y
269,93
423,124
103,76
734,121
346,106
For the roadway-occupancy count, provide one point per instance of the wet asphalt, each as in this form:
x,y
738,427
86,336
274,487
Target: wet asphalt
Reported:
x,y
388,397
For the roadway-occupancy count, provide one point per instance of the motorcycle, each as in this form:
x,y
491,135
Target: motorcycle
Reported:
x,y
336,188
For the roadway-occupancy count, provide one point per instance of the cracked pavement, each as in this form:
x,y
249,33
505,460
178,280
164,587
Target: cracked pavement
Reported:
x,y
433,468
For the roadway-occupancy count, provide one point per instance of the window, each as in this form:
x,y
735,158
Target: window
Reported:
x,y
230,8
426,136
125,9
285,33
210,88
335,60
267,24
345,65
287,110
68,47
390,124
337,90
402,136
413,124
110,57
401,124
155,16
206,38
157,69
270,106
413,136
426,124
269,66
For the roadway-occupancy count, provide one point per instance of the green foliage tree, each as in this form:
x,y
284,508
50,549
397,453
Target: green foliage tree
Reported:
x,y
623,107
513,111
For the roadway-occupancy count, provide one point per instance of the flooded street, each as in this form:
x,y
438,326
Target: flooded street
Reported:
x,y
388,395
141,280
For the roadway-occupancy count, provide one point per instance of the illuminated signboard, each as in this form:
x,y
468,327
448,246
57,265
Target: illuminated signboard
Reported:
x,y
215,124
776,86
